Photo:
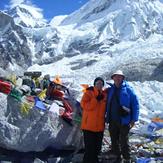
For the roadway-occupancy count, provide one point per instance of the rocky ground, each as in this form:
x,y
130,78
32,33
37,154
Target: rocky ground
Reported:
x,y
144,149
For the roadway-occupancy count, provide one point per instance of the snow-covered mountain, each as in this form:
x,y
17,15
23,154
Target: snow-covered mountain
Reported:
x,y
27,15
101,24
14,49
116,29
110,34
120,19
25,38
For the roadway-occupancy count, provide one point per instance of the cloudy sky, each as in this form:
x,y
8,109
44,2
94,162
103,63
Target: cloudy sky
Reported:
x,y
50,8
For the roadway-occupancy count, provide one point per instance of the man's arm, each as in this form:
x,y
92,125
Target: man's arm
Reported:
x,y
134,107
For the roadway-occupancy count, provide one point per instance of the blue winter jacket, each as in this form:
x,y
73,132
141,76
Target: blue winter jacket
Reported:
x,y
128,99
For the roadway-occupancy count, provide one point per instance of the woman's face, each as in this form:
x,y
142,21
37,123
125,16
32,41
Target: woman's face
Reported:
x,y
99,84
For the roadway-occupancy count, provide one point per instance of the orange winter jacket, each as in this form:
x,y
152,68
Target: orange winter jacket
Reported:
x,y
93,116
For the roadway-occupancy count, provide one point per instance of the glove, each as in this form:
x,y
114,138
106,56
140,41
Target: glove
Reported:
x,y
100,97
124,111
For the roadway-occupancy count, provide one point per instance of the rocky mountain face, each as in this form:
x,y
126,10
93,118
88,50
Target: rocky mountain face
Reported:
x,y
99,27
24,39
14,48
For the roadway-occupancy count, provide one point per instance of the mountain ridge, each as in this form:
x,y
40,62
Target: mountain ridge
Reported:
x,y
112,24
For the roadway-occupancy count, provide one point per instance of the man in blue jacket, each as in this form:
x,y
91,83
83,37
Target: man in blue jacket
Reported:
x,y
122,113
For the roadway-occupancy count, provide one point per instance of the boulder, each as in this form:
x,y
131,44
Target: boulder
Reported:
x,y
37,129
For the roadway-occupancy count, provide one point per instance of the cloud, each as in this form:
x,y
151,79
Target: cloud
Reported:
x,y
17,2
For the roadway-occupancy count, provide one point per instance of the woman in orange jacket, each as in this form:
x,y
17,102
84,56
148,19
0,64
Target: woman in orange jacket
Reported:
x,y
93,104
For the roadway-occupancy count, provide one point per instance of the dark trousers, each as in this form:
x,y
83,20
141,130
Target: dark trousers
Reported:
x,y
93,143
119,139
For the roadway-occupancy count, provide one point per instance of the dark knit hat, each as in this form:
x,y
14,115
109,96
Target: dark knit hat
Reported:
x,y
99,78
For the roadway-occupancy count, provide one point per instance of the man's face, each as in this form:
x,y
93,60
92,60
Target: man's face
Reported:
x,y
99,84
118,79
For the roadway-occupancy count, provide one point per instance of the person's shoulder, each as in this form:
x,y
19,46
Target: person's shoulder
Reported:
x,y
91,88
89,91
129,88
